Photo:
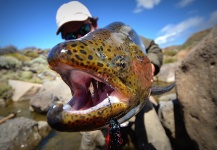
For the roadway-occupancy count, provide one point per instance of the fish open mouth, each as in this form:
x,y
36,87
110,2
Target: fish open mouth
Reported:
x,y
89,91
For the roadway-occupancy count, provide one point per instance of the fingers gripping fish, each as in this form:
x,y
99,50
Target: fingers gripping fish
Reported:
x,y
106,69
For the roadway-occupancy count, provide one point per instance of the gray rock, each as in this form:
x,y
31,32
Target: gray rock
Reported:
x,y
196,83
23,90
2,103
167,97
43,128
49,94
167,72
166,116
20,134
155,131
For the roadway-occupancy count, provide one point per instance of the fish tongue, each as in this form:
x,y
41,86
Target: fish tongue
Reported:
x,y
80,100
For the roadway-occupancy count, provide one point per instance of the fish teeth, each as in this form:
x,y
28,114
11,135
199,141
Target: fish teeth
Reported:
x,y
67,107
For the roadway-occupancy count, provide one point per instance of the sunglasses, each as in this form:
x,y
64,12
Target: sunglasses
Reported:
x,y
84,29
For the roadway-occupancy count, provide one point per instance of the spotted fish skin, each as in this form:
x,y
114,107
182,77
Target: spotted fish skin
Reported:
x,y
114,55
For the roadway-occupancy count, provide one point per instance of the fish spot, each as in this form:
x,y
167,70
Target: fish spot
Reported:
x,y
83,51
84,43
74,45
109,50
69,52
90,42
78,57
101,48
74,50
99,64
103,43
82,116
90,57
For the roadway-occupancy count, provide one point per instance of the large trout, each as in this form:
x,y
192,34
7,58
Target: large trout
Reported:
x,y
109,75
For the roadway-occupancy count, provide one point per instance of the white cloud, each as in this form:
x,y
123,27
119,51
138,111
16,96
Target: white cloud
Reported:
x,y
184,3
145,4
171,32
212,20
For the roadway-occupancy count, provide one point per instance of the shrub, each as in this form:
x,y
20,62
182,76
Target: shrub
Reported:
x,y
7,50
169,60
6,90
8,62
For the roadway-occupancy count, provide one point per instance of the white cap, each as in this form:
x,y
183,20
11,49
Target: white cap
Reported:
x,y
72,11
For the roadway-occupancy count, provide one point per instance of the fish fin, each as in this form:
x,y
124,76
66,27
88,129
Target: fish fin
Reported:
x,y
156,90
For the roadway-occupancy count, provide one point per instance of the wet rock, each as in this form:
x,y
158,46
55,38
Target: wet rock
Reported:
x,y
23,90
49,94
20,134
196,80
43,128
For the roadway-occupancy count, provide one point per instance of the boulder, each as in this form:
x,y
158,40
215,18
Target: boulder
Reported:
x,y
167,72
21,134
50,93
23,90
196,84
166,116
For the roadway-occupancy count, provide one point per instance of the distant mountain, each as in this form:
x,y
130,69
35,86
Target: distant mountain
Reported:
x,y
177,52
195,39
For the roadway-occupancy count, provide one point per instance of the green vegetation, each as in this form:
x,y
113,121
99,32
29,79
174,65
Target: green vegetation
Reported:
x,y
19,56
6,90
9,62
169,53
169,60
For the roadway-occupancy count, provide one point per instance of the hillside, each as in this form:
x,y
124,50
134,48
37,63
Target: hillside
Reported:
x,y
176,53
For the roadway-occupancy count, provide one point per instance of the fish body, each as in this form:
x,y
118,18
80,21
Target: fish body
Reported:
x,y
109,75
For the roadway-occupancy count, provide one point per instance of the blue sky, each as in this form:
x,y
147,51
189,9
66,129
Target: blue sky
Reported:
x,y
31,23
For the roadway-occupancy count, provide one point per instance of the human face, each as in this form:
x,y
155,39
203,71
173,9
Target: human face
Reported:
x,y
76,29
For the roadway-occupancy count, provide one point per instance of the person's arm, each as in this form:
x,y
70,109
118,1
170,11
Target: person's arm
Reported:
x,y
154,53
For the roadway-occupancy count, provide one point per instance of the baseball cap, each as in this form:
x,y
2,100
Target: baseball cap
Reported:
x,y
71,11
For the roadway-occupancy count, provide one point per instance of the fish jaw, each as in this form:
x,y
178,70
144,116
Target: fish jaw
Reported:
x,y
118,70
84,112
85,120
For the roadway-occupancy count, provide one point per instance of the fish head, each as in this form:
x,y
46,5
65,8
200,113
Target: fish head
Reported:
x,y
109,77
